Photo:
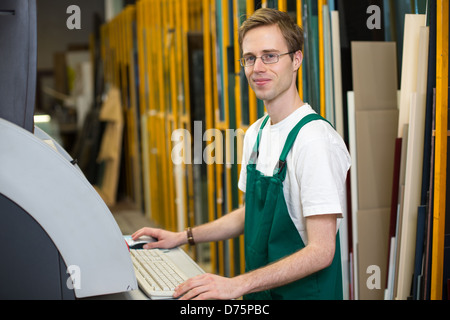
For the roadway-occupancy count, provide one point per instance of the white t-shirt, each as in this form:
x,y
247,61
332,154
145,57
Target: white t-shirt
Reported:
x,y
317,165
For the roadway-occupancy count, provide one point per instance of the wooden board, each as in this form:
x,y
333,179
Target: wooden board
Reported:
x,y
414,162
353,189
337,73
413,22
374,224
374,134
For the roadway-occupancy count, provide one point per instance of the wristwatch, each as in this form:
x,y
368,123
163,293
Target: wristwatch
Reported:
x,y
190,237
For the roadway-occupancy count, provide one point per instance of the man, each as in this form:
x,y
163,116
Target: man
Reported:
x,y
293,175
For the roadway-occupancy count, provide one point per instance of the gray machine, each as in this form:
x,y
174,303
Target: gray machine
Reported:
x,y
18,58
58,239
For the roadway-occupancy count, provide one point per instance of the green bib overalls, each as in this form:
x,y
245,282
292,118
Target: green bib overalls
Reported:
x,y
271,235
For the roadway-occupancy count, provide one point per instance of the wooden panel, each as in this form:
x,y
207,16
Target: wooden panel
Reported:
x,y
413,22
413,177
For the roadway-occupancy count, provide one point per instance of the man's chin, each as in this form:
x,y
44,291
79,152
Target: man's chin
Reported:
x,y
262,95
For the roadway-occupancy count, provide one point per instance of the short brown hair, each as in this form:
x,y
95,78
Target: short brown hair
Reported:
x,y
292,33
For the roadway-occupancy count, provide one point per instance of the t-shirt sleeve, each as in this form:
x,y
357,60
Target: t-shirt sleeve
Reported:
x,y
322,170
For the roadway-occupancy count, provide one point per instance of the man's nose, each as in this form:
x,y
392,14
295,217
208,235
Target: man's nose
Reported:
x,y
259,65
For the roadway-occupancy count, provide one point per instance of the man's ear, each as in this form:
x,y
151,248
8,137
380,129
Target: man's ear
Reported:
x,y
298,59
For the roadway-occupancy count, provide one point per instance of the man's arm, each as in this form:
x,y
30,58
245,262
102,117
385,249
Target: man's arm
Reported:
x,y
317,255
228,226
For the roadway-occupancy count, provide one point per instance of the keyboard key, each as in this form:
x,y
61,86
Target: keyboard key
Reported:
x,y
155,273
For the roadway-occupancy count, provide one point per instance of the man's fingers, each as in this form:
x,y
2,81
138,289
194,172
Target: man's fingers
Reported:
x,y
194,288
189,285
151,232
194,292
140,233
153,245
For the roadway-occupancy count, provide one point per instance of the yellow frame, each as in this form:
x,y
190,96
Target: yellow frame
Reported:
x,y
440,174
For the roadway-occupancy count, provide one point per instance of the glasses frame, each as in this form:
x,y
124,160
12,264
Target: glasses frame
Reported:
x,y
242,60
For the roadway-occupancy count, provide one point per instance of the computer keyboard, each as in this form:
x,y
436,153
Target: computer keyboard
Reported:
x,y
156,274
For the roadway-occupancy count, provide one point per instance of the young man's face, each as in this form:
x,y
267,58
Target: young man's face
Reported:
x,y
269,81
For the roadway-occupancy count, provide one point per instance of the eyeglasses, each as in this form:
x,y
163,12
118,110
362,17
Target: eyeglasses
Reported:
x,y
267,58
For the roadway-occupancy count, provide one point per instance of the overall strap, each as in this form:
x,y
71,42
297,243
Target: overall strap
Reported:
x,y
292,136
255,151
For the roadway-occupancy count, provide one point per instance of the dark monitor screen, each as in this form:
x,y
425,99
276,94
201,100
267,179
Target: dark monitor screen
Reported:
x,y
18,58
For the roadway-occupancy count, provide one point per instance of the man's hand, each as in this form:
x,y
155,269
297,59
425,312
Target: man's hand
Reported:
x,y
208,286
165,239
